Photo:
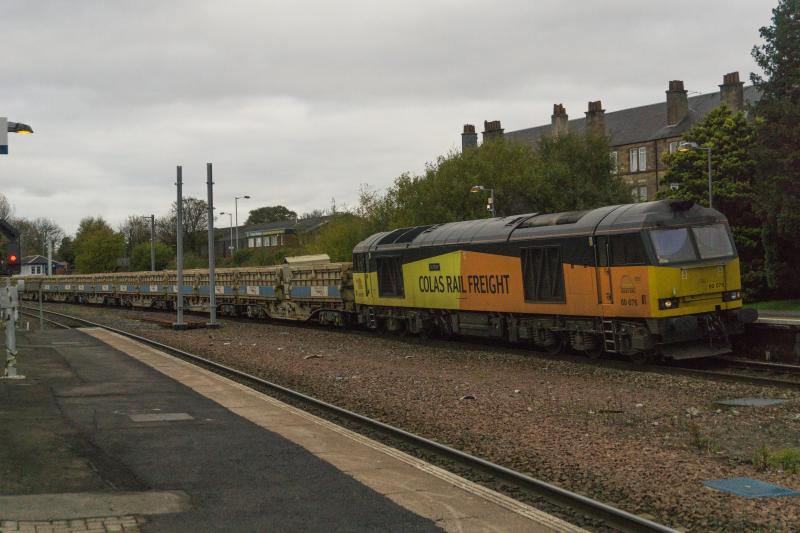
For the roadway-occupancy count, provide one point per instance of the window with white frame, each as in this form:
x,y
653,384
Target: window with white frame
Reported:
x,y
642,158
639,193
633,160
251,242
673,147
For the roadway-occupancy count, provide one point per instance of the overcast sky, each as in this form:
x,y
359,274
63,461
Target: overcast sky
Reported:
x,y
299,102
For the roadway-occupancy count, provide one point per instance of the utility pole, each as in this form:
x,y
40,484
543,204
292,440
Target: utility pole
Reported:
x,y
212,284
180,324
153,243
49,255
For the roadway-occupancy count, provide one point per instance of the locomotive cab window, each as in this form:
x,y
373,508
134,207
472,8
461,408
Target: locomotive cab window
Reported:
x,y
542,274
390,277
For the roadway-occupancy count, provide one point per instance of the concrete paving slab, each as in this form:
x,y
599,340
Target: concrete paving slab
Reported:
x,y
453,503
88,504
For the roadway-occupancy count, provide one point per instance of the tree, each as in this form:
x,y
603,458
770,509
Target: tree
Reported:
x,y
730,137
66,252
777,149
195,222
140,257
270,214
135,229
33,234
6,209
97,247
565,173
338,237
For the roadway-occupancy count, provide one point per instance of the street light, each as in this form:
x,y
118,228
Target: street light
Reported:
x,y
236,209
490,207
685,146
230,217
152,219
19,127
7,127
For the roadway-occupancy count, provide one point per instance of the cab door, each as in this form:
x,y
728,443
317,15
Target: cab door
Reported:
x,y
605,287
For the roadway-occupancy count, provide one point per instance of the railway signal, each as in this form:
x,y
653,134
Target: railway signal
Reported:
x,y
13,258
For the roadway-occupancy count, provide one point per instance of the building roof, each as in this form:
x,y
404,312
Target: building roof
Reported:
x,y
300,225
36,260
640,124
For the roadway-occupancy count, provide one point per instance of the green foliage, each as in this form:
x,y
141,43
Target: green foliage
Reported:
x,y
786,459
270,214
66,251
565,173
338,237
140,257
731,138
777,150
97,246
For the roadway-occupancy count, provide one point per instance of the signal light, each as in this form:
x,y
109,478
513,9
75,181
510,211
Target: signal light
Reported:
x,y
12,258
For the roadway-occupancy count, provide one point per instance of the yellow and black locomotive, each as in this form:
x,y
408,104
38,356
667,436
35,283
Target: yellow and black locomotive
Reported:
x,y
640,279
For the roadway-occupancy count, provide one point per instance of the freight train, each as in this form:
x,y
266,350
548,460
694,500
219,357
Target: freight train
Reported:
x,y
641,280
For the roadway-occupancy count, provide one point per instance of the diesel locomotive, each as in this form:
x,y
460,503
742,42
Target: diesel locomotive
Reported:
x,y
641,280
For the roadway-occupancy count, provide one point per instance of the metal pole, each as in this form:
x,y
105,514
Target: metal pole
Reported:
x,y
710,194
491,198
236,210
230,223
180,324
153,243
41,309
49,255
212,283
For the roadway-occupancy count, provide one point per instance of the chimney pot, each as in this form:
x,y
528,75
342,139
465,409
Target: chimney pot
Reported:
x,y
492,130
596,117
731,92
469,139
559,120
677,103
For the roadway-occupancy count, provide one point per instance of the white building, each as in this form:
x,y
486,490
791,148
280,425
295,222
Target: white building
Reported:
x,y
36,265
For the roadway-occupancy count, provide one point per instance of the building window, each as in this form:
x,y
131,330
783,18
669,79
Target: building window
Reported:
x,y
251,242
614,159
633,165
642,158
673,147
639,193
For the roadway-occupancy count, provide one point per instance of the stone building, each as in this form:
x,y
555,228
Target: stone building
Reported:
x,y
639,136
269,235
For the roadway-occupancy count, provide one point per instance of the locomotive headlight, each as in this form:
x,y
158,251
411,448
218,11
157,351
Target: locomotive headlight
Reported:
x,y
667,303
730,296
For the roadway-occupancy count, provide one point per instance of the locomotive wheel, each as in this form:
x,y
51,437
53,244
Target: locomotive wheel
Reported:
x,y
557,347
594,353
640,358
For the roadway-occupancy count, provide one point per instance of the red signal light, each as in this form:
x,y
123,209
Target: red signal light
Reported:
x,y
12,258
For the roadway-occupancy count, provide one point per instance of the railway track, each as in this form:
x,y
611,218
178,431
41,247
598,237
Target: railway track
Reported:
x,y
721,368
609,516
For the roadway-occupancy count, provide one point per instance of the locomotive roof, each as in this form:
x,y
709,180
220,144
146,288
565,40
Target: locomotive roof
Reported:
x,y
609,219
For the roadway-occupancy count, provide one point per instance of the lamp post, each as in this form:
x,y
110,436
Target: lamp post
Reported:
x,y
152,219
7,127
490,207
685,146
230,219
236,210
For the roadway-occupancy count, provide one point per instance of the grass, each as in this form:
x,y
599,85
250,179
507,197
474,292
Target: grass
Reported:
x,y
787,459
776,305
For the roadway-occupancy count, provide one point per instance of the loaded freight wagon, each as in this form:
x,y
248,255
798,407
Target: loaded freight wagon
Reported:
x,y
641,280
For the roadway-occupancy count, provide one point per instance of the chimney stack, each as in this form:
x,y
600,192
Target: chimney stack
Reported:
x,y
596,118
677,103
469,139
492,130
559,120
731,92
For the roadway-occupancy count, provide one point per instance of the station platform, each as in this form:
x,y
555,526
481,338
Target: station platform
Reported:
x,y
107,434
